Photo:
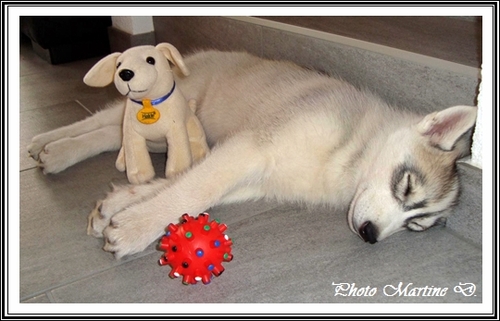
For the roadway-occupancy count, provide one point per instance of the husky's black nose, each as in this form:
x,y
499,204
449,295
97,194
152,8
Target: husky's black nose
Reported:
x,y
368,232
126,74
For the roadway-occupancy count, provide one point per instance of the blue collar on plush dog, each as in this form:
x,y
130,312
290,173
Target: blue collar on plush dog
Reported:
x,y
158,100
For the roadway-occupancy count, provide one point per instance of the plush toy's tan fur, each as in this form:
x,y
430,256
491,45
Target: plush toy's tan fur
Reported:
x,y
141,73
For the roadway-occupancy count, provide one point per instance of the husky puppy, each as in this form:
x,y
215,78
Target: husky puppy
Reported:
x,y
278,131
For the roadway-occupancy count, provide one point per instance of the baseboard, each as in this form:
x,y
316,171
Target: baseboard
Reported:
x,y
120,41
399,54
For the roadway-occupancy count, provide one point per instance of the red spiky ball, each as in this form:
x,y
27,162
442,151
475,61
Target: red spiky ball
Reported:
x,y
195,248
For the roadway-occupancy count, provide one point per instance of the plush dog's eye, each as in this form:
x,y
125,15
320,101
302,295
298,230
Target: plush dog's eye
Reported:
x,y
150,60
118,65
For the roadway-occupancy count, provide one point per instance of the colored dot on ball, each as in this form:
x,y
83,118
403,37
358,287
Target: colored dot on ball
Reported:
x,y
199,253
189,234
216,243
167,234
226,255
210,267
206,228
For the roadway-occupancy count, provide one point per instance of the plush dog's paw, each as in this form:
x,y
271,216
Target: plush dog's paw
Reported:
x,y
140,176
120,161
131,232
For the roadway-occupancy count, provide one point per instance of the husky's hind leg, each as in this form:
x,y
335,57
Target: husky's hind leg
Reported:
x,y
65,146
236,163
65,152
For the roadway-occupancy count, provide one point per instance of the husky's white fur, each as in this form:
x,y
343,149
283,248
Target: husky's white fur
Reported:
x,y
280,132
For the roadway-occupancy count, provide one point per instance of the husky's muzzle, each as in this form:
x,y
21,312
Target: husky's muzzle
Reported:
x,y
368,232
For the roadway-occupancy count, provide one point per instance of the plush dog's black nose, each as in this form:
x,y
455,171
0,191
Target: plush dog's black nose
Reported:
x,y
368,232
126,74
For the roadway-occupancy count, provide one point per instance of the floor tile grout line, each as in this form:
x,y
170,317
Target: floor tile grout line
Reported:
x,y
463,238
50,296
83,106
54,287
42,107
28,169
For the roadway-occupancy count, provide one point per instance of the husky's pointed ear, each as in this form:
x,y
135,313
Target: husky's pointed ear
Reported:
x,y
445,128
103,72
173,56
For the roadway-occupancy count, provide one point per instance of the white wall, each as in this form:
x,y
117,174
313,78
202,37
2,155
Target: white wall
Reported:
x,y
477,144
133,25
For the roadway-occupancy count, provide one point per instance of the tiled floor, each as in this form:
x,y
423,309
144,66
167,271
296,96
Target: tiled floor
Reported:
x,y
59,262
53,206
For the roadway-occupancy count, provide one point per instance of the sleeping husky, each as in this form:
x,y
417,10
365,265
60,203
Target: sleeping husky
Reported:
x,y
278,131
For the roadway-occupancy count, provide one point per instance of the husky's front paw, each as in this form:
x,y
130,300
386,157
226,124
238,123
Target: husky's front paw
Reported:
x,y
131,232
119,199
97,221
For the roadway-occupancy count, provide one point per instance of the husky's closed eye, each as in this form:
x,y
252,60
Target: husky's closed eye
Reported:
x,y
407,187
404,185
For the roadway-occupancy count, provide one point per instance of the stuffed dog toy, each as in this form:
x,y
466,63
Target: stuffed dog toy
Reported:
x,y
155,109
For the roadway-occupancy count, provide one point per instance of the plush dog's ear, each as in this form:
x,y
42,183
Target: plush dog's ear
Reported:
x,y
102,74
173,56
445,128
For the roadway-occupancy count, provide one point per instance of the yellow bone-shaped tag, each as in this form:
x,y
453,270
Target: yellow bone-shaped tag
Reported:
x,y
148,114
